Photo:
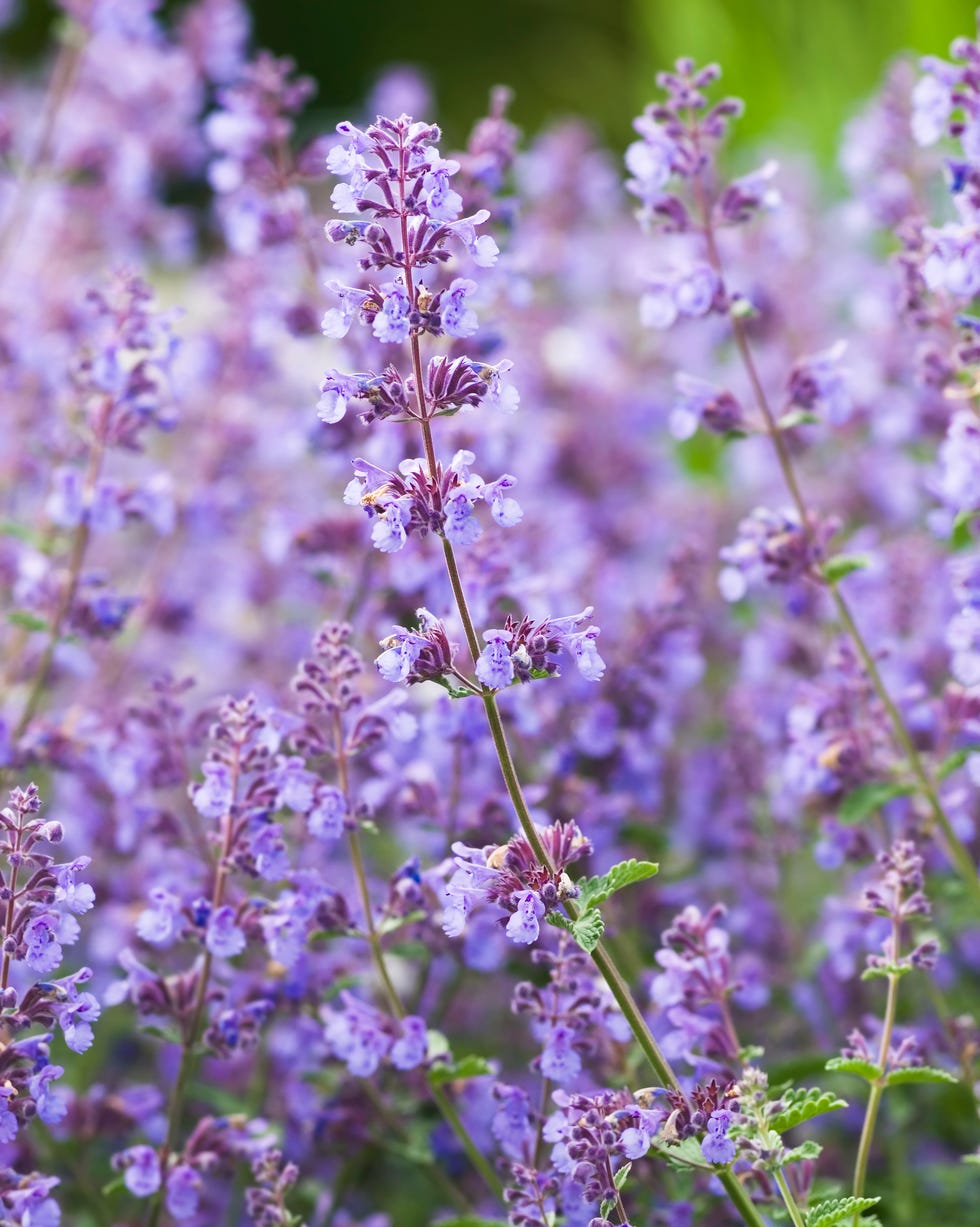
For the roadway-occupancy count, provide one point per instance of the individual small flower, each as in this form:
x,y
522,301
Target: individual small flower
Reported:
x,y
183,1191
410,1048
699,402
774,548
494,668
817,383
327,817
716,1146
417,656
224,938
932,101
213,798
160,924
459,320
43,950
141,1170
51,1105
523,926
391,323
337,321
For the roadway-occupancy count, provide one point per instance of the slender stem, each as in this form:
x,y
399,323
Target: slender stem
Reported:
x,y
788,1199
958,854
439,1096
76,560
62,80
879,1084
192,1029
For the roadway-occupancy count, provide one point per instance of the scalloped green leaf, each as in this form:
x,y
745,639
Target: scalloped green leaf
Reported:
x,y
806,1150
852,1065
838,1210
920,1073
621,1176
456,1071
587,929
836,568
867,798
686,1154
884,970
593,891
803,1105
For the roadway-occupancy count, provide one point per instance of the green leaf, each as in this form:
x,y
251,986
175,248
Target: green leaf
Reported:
x,y
867,798
587,929
471,1220
919,1073
797,417
686,1154
454,691
882,971
29,621
807,1150
852,1065
621,1176
391,924
593,891
836,568
960,538
801,1105
466,1067
837,1210
955,761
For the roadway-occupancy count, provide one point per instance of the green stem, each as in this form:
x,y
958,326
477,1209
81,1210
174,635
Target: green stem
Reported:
x,y
879,1084
439,1096
788,1199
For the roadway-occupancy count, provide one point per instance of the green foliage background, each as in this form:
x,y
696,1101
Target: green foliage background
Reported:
x,y
801,65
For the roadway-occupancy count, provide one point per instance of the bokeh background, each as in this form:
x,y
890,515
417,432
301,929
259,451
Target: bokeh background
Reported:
x,y
803,67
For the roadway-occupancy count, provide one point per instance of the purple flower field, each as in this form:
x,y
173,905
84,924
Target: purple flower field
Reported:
x,y
490,722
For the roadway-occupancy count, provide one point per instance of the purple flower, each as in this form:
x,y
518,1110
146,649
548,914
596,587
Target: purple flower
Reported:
x,y
51,1105
183,1191
160,923
224,938
391,324
76,897
818,383
458,320
411,1047
141,1170
932,101
699,402
716,1146
75,1019
326,819
559,1059
213,798
523,927
358,1035
43,951
494,667
8,1121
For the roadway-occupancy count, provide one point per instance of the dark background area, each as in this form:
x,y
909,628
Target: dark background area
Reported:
x,y
802,67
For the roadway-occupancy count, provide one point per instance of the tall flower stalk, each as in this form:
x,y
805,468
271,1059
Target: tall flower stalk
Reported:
x,y
407,216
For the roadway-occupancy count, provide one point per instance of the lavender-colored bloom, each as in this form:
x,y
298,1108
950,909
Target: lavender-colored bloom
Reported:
x,y
326,819
8,1121
77,897
459,320
958,484
213,798
494,668
932,101
183,1191
43,951
817,383
699,402
224,938
391,324
716,1146
75,1019
523,927
141,1170
505,510
410,1048
160,923
51,1105
358,1035
559,1059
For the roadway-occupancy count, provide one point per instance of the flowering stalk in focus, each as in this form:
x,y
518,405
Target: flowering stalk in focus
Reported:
x,y
405,213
